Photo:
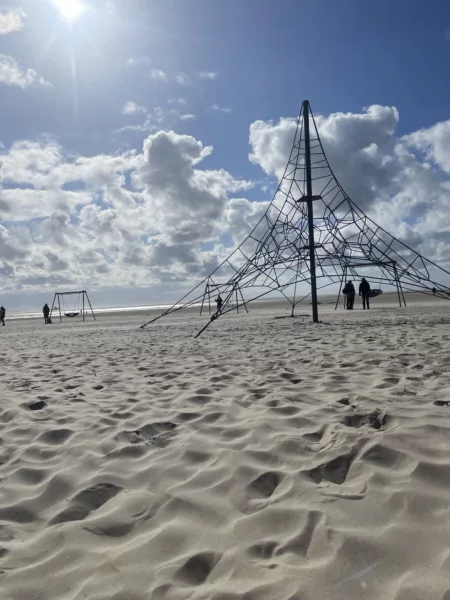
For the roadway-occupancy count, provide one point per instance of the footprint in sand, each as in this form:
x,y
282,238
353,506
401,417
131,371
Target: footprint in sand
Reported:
x,y
39,405
335,470
387,383
264,485
263,550
376,419
197,568
87,501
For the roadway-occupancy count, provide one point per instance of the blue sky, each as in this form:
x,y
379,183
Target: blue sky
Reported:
x,y
269,56
257,59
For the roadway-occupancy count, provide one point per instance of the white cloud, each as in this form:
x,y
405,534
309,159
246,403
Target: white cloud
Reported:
x,y
180,101
208,75
182,79
11,21
131,108
158,118
24,204
138,61
144,217
354,143
218,108
188,202
11,74
158,75
135,233
434,142
400,190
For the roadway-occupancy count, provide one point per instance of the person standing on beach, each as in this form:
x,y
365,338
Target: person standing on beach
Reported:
x,y
46,311
364,291
350,293
2,315
219,302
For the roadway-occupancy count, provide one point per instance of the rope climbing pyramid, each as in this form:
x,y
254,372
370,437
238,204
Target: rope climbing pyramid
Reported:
x,y
311,236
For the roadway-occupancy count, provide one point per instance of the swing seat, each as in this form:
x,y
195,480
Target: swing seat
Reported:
x,y
375,293
71,314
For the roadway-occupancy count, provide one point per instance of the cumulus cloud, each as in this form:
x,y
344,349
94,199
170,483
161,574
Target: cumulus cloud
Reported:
x,y
132,108
434,142
385,175
188,203
208,75
160,216
137,61
180,101
11,74
223,109
182,79
158,75
11,21
157,118
137,217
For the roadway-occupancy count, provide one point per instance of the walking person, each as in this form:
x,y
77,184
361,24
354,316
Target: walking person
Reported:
x,y
2,315
350,293
46,312
219,302
364,291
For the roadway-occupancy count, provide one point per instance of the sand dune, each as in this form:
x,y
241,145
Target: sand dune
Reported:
x,y
271,459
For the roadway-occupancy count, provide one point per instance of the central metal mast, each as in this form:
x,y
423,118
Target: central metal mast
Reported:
x,y
309,202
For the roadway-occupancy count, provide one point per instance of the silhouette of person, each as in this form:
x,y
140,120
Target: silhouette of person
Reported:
x,y
219,302
46,311
350,292
2,315
364,291
434,290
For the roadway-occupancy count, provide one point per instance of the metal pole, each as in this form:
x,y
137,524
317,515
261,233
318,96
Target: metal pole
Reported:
x,y
396,283
243,301
59,307
203,301
401,290
83,305
53,306
237,302
309,201
340,289
90,306
295,286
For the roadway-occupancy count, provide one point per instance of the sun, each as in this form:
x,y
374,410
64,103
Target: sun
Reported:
x,y
70,9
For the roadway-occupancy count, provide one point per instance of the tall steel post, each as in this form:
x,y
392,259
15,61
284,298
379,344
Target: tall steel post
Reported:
x,y
309,202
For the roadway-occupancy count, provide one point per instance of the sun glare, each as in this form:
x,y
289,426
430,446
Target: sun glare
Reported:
x,y
70,9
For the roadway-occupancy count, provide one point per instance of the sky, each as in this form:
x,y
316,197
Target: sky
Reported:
x,y
143,139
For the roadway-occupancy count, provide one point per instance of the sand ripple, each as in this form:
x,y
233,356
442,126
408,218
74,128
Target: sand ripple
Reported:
x,y
268,460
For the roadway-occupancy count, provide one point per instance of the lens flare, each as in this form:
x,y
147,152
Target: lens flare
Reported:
x,y
70,9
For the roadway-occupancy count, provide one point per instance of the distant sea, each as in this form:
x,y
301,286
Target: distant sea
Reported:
x,y
116,309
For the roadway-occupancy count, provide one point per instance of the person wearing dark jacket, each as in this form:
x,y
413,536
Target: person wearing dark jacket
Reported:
x,y
364,291
349,292
2,315
46,312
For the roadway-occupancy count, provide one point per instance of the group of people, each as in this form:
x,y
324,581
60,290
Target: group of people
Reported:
x,y
350,293
45,312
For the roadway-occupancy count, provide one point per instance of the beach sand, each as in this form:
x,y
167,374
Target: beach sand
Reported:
x,y
268,459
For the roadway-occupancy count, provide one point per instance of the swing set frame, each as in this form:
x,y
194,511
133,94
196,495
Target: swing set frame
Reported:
x,y
56,305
